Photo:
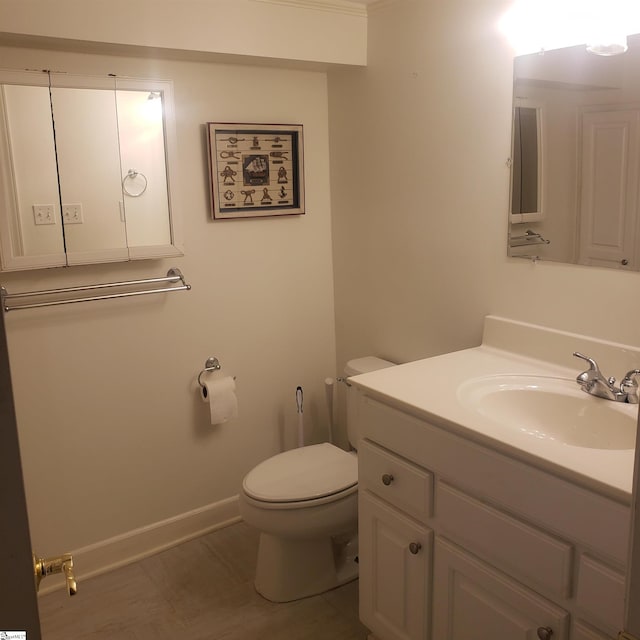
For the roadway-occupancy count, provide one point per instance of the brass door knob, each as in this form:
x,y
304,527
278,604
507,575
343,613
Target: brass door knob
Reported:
x,y
43,567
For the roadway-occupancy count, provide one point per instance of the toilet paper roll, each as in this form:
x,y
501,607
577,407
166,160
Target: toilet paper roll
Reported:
x,y
220,393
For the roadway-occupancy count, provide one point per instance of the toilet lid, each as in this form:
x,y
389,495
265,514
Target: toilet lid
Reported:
x,y
307,473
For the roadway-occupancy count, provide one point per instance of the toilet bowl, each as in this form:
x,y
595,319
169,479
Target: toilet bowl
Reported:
x,y
304,502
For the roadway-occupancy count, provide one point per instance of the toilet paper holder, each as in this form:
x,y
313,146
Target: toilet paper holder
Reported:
x,y
212,364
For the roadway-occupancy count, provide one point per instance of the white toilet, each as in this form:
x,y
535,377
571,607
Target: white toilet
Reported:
x,y
305,504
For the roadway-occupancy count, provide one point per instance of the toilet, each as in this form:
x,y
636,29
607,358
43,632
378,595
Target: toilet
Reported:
x,y
304,502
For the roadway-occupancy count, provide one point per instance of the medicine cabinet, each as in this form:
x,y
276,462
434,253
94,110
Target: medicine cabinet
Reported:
x,y
85,170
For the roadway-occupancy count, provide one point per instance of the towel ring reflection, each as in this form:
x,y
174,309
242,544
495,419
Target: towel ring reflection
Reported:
x,y
132,174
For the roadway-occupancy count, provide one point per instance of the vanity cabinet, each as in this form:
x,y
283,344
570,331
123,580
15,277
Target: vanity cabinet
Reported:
x,y
395,570
395,545
473,601
462,542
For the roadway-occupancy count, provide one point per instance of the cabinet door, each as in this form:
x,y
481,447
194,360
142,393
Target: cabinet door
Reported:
x,y
395,568
584,632
472,601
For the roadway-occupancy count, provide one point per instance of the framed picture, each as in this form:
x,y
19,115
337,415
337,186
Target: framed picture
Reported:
x,y
256,170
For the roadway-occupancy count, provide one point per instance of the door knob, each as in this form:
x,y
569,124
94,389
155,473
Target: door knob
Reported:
x,y
43,567
387,479
414,548
545,633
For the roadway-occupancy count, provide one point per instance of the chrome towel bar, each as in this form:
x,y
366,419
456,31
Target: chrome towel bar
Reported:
x,y
529,238
174,275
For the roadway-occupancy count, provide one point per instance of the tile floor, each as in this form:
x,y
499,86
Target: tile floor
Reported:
x,y
200,590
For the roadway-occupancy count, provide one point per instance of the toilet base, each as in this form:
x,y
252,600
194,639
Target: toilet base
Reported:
x,y
291,569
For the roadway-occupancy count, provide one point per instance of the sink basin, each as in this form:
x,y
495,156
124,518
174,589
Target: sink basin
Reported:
x,y
553,409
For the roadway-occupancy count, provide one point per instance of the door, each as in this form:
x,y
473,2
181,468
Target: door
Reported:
x,y
473,601
395,571
18,604
609,190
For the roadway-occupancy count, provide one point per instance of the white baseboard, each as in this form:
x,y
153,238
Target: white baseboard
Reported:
x,y
134,545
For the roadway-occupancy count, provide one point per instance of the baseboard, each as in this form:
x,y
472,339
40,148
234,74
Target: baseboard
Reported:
x,y
134,545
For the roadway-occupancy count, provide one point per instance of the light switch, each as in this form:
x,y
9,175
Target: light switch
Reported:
x,y
44,213
72,213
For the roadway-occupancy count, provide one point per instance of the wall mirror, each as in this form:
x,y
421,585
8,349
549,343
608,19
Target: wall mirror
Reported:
x,y
580,113
84,170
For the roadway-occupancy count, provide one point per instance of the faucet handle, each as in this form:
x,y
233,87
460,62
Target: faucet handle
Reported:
x,y
629,386
593,365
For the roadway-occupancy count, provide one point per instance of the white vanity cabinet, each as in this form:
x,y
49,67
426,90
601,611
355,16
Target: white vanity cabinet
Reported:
x,y
473,601
395,546
459,541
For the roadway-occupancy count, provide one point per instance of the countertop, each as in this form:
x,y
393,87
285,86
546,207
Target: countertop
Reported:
x,y
431,389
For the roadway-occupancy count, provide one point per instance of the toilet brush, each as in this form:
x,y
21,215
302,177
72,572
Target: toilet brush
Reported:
x,y
329,391
299,399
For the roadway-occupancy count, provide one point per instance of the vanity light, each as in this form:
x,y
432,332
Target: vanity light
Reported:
x,y
612,46
534,25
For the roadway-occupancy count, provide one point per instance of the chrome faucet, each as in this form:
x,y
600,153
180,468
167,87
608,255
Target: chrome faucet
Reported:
x,y
594,383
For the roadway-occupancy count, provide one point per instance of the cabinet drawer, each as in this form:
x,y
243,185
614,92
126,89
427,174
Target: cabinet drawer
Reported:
x,y
395,480
601,594
517,548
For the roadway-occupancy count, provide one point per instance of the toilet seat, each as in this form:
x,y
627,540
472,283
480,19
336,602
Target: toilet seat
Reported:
x,y
313,474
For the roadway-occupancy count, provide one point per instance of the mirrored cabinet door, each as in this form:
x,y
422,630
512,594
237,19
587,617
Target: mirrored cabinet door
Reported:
x,y
85,171
88,153
142,115
31,233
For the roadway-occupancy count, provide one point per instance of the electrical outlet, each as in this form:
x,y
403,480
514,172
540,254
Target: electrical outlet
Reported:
x,y
72,213
44,213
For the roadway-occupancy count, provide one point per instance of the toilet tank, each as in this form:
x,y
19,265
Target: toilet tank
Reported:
x,y
352,368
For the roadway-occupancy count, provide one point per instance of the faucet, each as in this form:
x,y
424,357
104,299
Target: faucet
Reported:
x,y
594,383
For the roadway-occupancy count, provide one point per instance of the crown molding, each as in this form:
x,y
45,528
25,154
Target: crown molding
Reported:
x,y
380,4
332,6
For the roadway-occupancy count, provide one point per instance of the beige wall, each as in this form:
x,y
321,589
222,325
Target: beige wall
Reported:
x,y
419,142
113,433
259,28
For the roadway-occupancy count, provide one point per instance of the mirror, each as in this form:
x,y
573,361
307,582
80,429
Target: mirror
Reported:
x,y
575,165
84,170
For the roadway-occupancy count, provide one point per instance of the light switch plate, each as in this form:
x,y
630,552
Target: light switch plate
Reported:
x,y
72,213
44,213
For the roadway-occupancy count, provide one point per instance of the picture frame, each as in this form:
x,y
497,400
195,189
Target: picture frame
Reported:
x,y
256,170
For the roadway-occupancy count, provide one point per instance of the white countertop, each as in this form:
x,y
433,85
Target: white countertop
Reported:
x,y
429,389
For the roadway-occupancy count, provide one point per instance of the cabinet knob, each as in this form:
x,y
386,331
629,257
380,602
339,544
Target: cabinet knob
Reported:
x,y
387,479
415,547
624,262
545,633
